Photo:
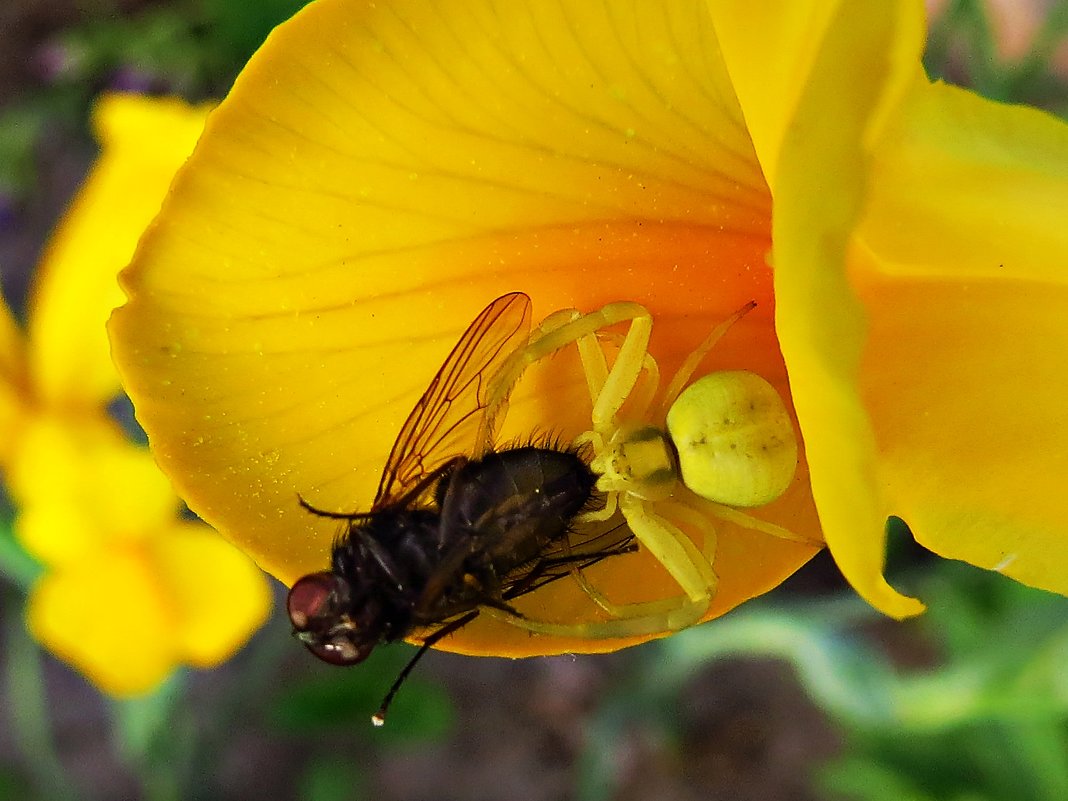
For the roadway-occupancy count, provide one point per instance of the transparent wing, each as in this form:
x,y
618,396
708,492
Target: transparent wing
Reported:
x,y
557,560
448,419
561,559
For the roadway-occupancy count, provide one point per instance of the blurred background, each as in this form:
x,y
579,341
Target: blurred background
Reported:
x,y
802,696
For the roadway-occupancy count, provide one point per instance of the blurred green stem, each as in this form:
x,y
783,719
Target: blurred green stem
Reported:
x,y
151,739
29,709
16,565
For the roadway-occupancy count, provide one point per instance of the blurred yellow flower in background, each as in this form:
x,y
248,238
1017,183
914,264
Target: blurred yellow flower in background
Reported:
x,y
382,171
130,589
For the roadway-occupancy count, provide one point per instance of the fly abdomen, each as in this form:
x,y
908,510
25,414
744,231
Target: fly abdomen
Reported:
x,y
518,500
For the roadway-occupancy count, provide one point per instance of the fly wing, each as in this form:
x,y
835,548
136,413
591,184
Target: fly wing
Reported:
x,y
555,562
564,557
450,418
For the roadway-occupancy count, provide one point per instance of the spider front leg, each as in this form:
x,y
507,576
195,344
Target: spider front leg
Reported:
x,y
608,389
689,567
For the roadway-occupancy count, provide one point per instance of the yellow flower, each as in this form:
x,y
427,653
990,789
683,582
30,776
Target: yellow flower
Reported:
x,y
381,171
130,590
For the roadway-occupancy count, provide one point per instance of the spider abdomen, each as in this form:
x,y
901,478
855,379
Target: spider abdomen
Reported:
x,y
735,441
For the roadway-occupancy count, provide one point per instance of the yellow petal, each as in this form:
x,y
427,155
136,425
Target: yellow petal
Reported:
x,y
994,182
143,142
378,175
80,486
105,616
819,160
217,595
970,420
801,35
965,371
769,88
57,533
15,392
126,616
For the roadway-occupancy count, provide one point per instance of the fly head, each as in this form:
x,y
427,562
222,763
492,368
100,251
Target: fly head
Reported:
x,y
321,611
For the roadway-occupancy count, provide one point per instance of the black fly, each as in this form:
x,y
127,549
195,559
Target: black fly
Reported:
x,y
455,525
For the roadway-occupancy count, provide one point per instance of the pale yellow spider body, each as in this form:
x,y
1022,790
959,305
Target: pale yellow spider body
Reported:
x,y
727,437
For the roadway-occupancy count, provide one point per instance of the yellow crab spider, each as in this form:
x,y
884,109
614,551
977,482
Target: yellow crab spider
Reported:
x,y
726,437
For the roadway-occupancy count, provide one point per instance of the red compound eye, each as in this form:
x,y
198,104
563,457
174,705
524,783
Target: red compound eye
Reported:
x,y
314,601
